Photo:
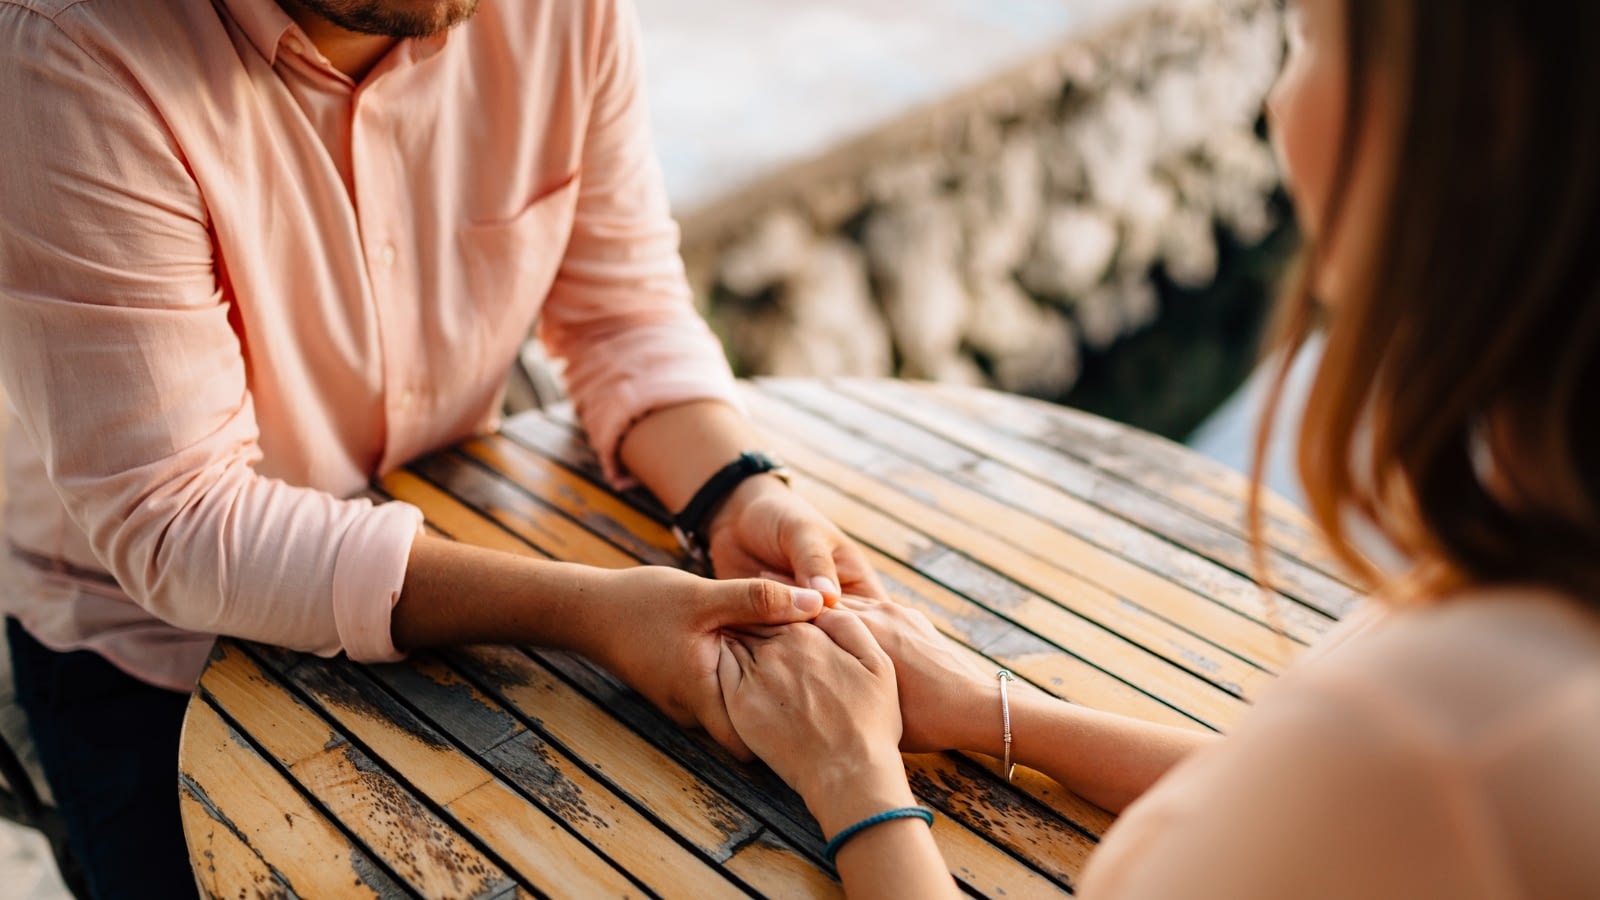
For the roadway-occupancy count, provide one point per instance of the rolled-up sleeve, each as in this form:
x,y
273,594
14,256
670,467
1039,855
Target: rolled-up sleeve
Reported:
x,y
130,382
620,313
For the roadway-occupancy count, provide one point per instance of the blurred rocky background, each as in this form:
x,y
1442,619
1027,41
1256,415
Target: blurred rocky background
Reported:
x,y
1098,222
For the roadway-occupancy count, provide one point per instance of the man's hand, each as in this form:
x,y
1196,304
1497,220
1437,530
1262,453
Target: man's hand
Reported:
x,y
765,527
662,635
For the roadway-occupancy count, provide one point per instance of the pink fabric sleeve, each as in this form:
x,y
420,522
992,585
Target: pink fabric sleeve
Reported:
x,y
620,312
1323,792
116,349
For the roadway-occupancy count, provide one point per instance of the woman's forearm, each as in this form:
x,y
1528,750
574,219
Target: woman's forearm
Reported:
x,y
1105,758
892,859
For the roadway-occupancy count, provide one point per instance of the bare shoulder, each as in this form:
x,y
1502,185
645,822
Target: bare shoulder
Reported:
x,y
1444,752
1468,664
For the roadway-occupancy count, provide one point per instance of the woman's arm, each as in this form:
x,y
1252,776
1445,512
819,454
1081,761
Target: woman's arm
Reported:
x,y
818,704
949,700
1107,759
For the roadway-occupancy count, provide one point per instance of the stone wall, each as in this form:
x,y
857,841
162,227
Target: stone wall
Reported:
x,y
1022,224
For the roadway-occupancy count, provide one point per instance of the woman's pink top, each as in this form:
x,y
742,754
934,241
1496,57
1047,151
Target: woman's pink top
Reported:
x,y
234,285
1448,751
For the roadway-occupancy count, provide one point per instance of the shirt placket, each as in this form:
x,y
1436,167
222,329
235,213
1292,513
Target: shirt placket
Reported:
x,y
391,273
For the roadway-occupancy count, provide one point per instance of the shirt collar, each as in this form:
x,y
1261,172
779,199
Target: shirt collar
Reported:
x,y
422,48
266,24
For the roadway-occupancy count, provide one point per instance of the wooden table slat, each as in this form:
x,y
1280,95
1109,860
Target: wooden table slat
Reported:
x,y
224,863
1211,640
1166,469
522,512
562,788
1097,626
983,868
310,856
1300,566
513,826
392,824
1124,557
970,795
721,824
600,510
450,515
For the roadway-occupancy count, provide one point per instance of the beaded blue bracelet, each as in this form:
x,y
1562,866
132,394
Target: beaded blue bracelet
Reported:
x,y
904,812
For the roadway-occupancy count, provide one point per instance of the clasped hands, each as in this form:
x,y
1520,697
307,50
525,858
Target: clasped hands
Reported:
x,y
798,668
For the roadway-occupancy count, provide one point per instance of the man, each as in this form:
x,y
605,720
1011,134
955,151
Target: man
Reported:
x,y
252,254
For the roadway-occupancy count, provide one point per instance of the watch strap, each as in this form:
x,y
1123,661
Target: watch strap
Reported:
x,y
689,524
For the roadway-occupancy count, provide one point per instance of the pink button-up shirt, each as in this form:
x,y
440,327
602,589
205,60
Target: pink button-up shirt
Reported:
x,y
234,285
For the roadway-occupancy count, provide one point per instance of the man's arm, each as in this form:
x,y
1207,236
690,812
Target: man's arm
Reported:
x,y
656,628
648,377
130,383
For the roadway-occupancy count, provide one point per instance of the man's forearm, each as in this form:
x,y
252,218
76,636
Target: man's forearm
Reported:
x,y
459,594
673,450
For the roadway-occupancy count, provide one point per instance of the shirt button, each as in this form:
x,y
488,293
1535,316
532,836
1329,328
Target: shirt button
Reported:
x,y
386,254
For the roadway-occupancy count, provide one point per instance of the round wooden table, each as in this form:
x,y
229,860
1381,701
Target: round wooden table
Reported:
x,y
1102,564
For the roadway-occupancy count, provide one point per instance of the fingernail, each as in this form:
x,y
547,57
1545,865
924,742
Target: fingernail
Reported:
x,y
806,601
825,585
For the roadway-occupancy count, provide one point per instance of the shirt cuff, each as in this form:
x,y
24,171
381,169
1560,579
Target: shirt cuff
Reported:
x,y
607,424
368,576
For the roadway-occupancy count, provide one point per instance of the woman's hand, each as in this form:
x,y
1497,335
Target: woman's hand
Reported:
x,y
948,700
818,703
766,527
659,630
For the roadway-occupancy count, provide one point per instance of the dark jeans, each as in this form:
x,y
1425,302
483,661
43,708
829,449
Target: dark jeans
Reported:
x,y
109,745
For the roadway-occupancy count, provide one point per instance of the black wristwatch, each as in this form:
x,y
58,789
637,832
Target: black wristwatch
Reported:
x,y
689,526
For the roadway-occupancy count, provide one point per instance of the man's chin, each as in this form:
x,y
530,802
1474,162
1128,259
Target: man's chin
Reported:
x,y
394,18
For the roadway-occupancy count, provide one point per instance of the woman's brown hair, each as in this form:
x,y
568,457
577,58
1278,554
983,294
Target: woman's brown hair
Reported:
x,y
1457,407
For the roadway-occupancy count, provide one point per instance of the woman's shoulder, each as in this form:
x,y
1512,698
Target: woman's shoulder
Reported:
x,y
1469,669
1441,751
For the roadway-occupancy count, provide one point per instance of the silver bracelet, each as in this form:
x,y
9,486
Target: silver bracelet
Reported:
x,y
1004,675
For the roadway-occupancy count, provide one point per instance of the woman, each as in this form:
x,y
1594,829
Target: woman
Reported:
x,y
1444,742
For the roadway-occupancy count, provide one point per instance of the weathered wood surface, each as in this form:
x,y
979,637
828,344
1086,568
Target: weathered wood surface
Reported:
x,y
1105,566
